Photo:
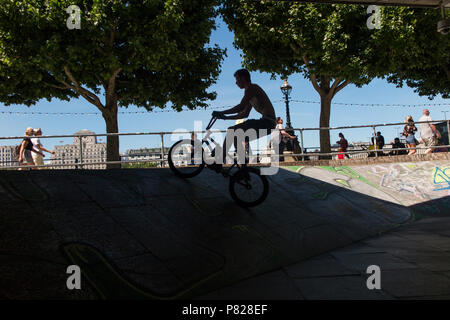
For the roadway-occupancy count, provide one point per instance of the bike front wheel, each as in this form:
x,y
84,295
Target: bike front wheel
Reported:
x,y
248,187
186,158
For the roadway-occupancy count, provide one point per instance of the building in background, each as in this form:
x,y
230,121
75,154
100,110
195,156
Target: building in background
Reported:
x,y
144,154
6,156
70,153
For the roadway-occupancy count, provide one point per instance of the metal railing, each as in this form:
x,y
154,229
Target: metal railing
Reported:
x,y
373,127
82,164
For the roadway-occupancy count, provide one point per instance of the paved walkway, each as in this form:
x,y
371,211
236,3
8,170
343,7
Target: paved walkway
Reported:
x,y
414,261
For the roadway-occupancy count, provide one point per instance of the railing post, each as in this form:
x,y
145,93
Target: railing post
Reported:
x,y
375,142
301,143
81,152
162,149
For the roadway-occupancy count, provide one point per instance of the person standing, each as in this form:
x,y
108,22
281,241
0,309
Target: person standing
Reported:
x,y
429,135
408,132
26,149
38,158
280,137
379,141
343,144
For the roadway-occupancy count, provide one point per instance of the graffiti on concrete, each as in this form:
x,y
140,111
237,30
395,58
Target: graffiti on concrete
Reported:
x,y
408,183
349,172
404,178
441,177
343,176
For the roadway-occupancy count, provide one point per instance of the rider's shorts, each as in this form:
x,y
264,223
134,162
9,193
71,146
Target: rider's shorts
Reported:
x,y
265,122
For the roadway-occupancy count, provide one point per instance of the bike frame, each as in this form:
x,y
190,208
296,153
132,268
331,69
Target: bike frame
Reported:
x,y
208,137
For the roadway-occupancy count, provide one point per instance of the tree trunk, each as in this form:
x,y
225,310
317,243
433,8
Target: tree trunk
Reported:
x,y
112,142
325,108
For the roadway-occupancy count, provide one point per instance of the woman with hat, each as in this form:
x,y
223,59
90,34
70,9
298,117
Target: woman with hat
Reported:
x,y
408,132
26,147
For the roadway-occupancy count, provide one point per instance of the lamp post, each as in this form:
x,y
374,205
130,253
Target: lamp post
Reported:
x,y
292,145
286,90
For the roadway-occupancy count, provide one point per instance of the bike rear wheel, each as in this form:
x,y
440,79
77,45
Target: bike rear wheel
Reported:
x,y
248,187
186,158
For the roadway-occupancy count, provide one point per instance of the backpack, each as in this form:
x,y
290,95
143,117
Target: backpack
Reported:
x,y
16,151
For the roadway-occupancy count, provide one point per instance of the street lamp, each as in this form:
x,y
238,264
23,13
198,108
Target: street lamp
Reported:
x,y
286,90
292,145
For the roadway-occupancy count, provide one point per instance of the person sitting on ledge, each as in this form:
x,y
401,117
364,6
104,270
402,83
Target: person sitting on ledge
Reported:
x,y
397,145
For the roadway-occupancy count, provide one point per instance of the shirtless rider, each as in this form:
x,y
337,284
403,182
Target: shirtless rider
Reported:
x,y
254,97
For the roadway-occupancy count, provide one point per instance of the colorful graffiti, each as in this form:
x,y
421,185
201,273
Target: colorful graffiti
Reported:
x,y
408,183
411,182
441,177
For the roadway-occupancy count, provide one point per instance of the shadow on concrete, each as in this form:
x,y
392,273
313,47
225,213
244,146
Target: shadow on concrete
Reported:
x,y
146,234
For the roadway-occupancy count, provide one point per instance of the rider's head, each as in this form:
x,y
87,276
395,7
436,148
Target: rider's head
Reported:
x,y
242,78
279,120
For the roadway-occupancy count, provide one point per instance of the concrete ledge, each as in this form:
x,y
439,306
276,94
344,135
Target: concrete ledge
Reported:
x,y
372,160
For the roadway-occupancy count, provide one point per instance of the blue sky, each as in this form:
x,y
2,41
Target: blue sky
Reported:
x,y
228,94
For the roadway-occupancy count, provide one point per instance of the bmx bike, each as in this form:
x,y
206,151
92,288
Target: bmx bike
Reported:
x,y
188,157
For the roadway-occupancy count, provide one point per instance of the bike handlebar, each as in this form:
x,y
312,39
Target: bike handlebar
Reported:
x,y
211,122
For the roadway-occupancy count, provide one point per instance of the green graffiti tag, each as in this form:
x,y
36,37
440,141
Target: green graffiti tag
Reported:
x,y
347,171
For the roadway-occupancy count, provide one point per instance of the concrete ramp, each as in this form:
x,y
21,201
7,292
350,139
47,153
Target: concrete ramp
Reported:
x,y
147,234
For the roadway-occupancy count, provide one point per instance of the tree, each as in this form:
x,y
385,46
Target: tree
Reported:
x,y
422,55
330,45
148,53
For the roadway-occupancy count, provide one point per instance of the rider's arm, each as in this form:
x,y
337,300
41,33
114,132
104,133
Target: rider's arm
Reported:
x,y
241,114
235,109
242,110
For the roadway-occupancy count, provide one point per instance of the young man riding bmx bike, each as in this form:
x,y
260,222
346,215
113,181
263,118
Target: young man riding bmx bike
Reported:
x,y
254,97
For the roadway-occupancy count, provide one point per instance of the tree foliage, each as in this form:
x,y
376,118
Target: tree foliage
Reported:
x,y
421,58
328,44
148,53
